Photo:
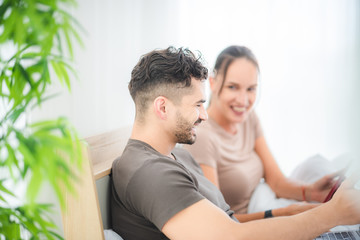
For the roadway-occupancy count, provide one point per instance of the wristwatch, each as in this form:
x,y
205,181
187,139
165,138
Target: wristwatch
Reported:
x,y
268,214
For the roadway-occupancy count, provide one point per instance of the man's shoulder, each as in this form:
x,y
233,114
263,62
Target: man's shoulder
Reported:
x,y
136,154
141,157
185,158
139,163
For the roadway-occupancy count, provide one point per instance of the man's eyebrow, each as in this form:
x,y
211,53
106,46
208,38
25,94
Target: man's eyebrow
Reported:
x,y
201,101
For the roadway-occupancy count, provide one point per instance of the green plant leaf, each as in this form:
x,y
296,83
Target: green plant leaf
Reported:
x,y
2,198
25,74
28,156
8,24
67,38
34,184
19,35
11,161
3,7
11,231
5,190
47,151
76,35
30,55
57,70
15,113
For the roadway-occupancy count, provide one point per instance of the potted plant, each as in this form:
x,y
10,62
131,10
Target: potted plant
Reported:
x,y
36,39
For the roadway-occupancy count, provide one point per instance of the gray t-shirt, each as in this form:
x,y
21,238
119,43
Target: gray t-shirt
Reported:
x,y
149,188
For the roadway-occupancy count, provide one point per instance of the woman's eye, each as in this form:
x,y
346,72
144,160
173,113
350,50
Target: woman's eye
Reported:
x,y
231,87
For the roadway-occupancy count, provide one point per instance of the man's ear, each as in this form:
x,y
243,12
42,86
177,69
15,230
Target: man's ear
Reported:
x,y
161,107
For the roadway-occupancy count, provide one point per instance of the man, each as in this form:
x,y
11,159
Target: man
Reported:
x,y
159,192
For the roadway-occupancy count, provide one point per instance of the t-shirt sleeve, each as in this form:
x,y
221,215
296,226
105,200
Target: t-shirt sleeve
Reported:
x,y
204,150
160,189
257,126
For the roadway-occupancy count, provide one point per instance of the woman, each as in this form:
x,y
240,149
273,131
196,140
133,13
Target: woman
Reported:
x,y
231,148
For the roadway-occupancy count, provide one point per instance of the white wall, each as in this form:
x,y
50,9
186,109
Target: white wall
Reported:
x,y
309,53
117,34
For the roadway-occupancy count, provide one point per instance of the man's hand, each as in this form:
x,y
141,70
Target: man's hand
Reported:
x,y
346,201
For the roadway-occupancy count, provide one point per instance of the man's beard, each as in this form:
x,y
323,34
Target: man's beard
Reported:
x,y
183,133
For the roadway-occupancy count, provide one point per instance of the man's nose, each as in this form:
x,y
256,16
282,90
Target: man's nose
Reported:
x,y
203,114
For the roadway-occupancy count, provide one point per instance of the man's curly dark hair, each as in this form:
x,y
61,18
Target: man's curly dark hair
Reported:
x,y
167,73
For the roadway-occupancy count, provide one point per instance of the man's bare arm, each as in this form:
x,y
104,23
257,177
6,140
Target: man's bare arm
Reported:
x,y
203,220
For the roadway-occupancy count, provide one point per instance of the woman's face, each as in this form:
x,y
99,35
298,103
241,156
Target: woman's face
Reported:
x,y
238,94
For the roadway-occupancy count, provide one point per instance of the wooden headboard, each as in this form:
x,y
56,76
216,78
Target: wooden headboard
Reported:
x,y
87,211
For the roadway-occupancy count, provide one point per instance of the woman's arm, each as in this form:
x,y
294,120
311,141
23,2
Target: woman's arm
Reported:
x,y
284,187
273,175
211,174
284,211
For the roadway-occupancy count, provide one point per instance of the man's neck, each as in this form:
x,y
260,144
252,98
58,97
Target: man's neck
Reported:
x,y
154,137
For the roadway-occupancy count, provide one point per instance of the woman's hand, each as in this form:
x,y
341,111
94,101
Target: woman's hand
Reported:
x,y
321,188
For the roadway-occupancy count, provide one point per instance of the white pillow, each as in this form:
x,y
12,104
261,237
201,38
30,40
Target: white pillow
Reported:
x,y
111,235
310,170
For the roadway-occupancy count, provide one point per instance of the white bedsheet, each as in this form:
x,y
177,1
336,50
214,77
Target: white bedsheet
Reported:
x,y
309,171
